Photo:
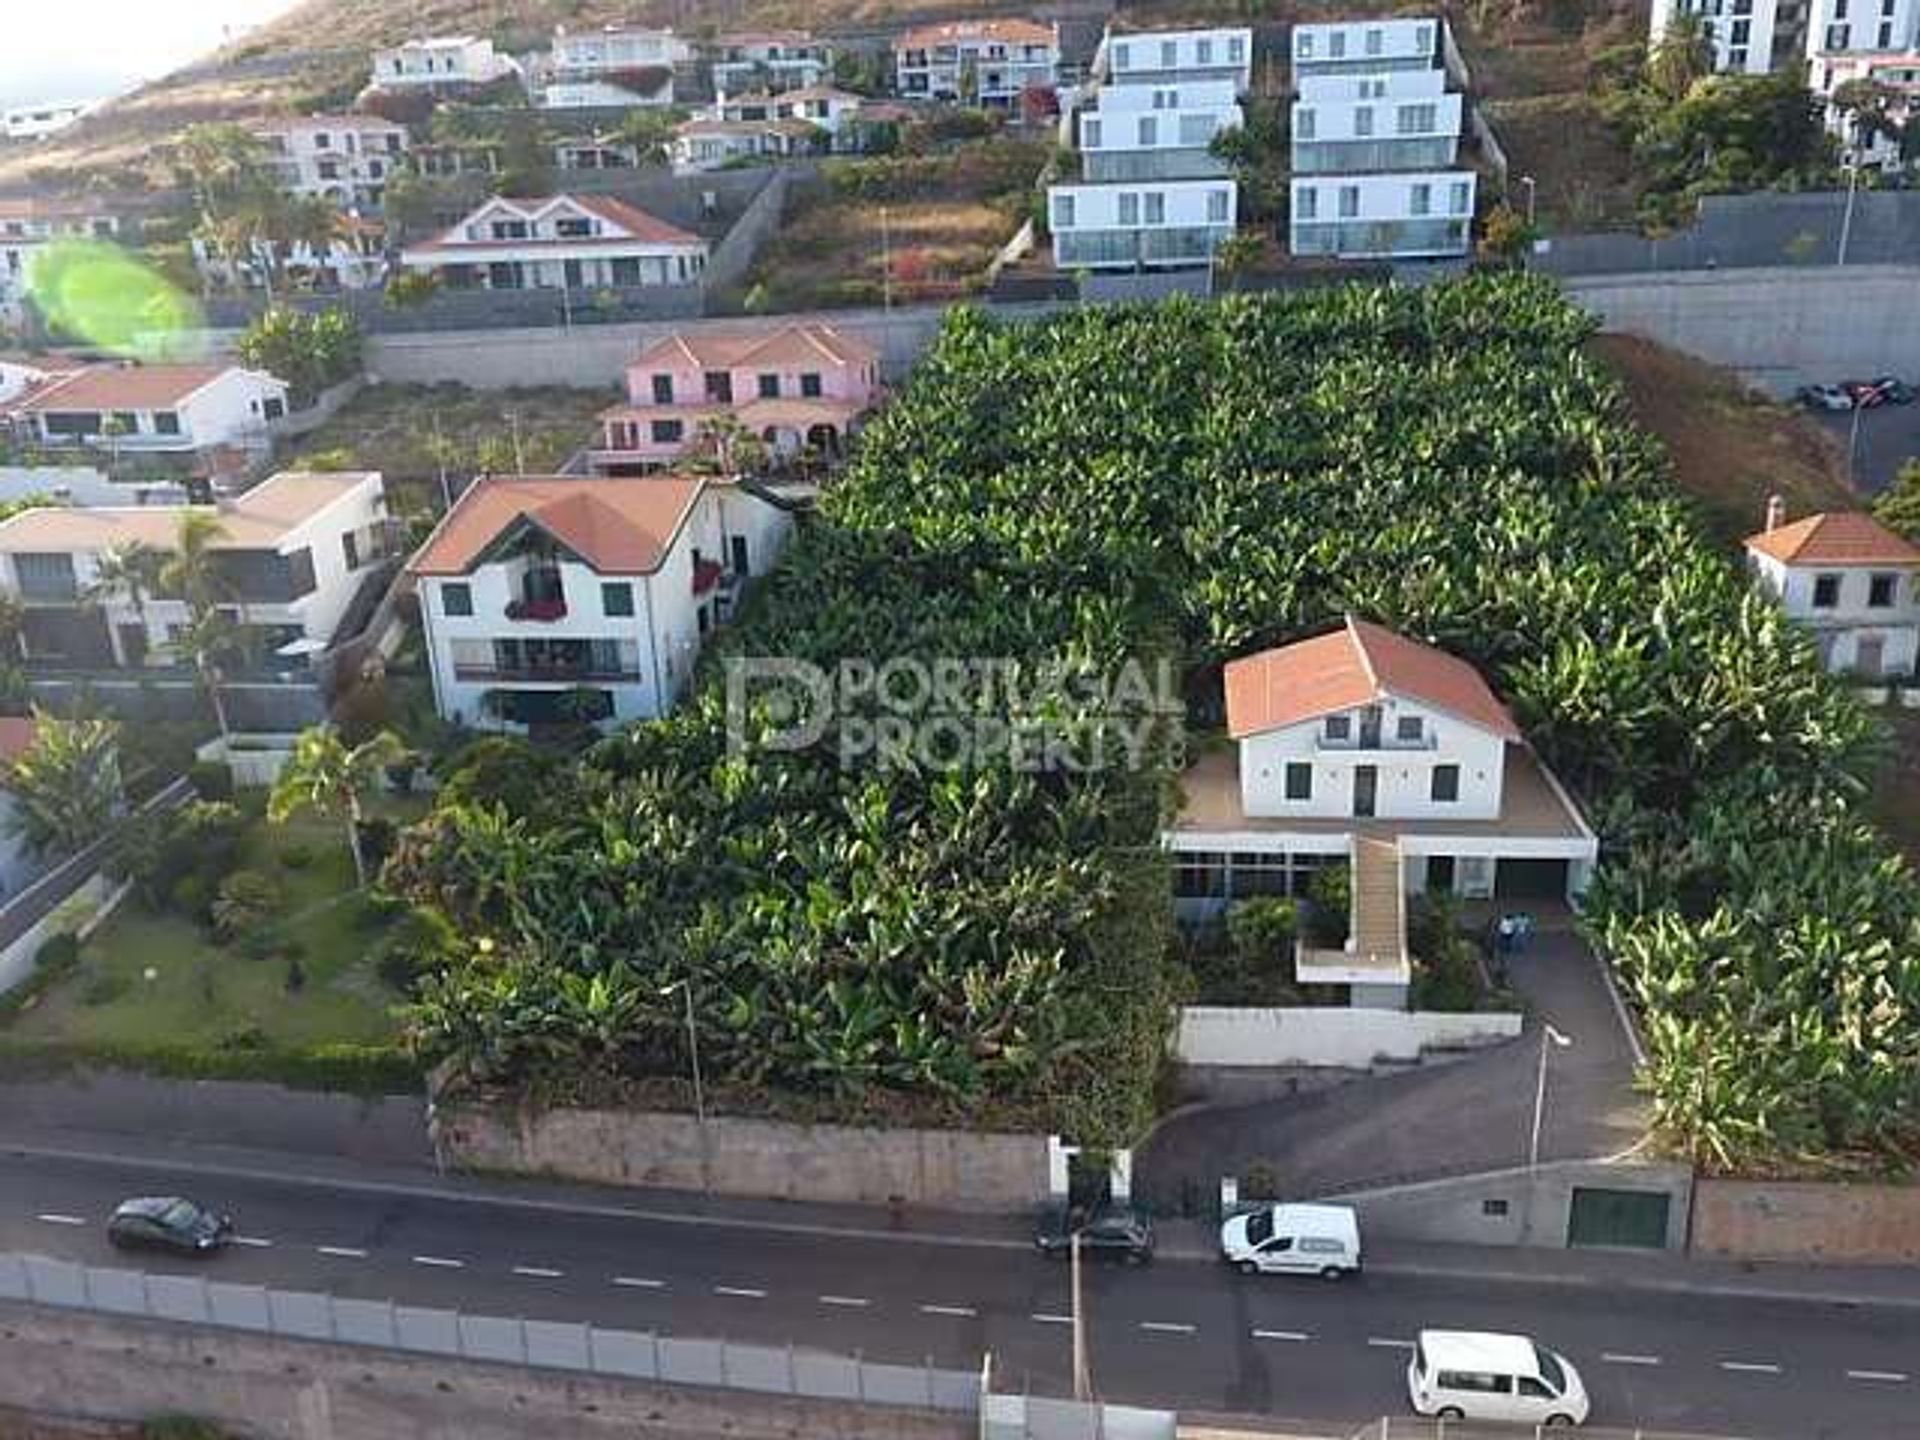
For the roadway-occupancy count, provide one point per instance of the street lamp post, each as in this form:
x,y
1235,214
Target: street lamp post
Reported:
x,y
1550,1038
685,987
1846,217
1527,180
1082,1376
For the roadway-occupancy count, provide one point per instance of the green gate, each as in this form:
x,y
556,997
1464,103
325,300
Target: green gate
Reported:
x,y
1618,1217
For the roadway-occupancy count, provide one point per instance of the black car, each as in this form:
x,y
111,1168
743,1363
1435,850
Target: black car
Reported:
x,y
168,1222
1107,1232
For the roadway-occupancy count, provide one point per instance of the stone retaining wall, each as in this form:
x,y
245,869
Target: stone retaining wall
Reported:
x,y
1807,1220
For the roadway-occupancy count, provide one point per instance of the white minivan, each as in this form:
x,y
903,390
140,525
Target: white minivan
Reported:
x,y
1293,1239
1472,1375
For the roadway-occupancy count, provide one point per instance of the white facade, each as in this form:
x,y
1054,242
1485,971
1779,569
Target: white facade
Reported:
x,y
27,226
995,60
1154,132
1423,763
1164,223
1369,45
1865,619
562,242
441,60
346,159
1747,35
580,54
1860,27
1394,120
788,61
37,122
1898,73
143,409
1162,57
355,260
1390,216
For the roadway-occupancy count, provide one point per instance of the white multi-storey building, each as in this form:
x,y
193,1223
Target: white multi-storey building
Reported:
x,y
27,227
445,60
1402,215
1369,46
551,600
347,159
1397,120
1172,57
1153,132
769,60
1752,37
617,65
985,62
37,122
1749,36
1897,75
150,408
566,242
1850,581
1161,223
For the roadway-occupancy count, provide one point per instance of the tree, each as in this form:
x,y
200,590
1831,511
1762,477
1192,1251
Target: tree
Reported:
x,y
66,787
1239,252
1682,56
1873,109
308,351
126,570
191,571
1505,235
649,130
1898,506
723,446
327,775
209,641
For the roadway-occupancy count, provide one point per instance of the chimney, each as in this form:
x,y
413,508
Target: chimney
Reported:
x,y
1776,512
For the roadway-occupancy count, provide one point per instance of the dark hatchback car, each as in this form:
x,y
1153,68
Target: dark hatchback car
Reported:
x,y
167,1222
1107,1232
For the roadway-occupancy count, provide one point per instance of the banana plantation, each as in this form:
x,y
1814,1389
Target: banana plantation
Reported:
x,y
1189,482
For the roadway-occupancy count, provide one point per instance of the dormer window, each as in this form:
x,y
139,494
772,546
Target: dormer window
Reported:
x,y
1339,727
1408,729
573,229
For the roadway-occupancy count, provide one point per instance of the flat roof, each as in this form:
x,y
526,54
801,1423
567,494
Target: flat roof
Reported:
x,y
262,517
1480,1351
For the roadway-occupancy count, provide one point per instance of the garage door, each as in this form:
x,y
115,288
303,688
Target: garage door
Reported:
x,y
1530,880
1618,1217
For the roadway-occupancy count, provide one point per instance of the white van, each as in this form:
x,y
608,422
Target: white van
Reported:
x,y
1472,1375
1298,1239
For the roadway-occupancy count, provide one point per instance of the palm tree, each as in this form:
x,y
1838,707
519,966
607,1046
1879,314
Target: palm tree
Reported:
x,y
207,642
126,570
1683,55
66,787
310,221
13,624
724,446
328,776
189,571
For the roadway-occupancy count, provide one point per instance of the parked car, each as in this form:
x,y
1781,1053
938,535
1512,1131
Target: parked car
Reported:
x,y
1474,1375
1883,390
1107,1232
1319,1240
1825,397
168,1222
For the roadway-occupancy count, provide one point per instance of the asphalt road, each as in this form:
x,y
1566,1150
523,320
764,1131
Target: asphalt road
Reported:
x,y
1179,1333
1888,437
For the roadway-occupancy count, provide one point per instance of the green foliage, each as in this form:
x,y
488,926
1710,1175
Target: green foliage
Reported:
x,y
161,849
1446,964
1330,906
211,779
351,1069
310,351
248,901
1898,506
326,774
66,787
411,288
1505,235
1262,931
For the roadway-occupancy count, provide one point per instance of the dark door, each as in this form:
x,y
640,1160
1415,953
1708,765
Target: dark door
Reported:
x,y
1366,785
1618,1217
133,644
502,276
738,543
1440,873
1530,880
575,277
1370,728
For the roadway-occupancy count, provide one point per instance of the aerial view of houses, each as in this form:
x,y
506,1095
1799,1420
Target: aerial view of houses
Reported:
x,y
693,698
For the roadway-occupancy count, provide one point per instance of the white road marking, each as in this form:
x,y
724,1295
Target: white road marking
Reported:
x,y
342,1252
437,1261
1890,1377
1054,1319
961,1310
636,1282
536,1272
1750,1367
849,1302
1167,1327
62,1219
1612,1359
254,1240
741,1291
1281,1335
1381,1344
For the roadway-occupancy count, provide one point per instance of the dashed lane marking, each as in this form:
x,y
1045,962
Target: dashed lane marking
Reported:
x,y
255,1241
1168,1327
62,1219
538,1272
439,1262
639,1282
1383,1344
342,1252
1053,1319
1885,1377
964,1311
1749,1367
1612,1359
845,1302
740,1292
1281,1335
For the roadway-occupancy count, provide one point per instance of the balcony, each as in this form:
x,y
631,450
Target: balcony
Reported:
x,y
1363,741
550,673
545,610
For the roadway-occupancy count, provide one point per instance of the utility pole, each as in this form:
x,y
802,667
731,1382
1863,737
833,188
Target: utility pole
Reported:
x,y
886,263
1549,1037
1082,1376
519,458
1846,217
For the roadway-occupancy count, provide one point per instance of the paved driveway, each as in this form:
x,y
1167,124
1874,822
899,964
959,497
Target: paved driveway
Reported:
x,y
1453,1117
1889,437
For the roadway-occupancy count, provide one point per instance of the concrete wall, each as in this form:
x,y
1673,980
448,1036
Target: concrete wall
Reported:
x,y
78,913
948,1169
1779,328
1322,1035
1513,1207
733,257
1807,1220
100,1367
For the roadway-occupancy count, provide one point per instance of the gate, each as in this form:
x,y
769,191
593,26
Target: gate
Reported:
x,y
1635,1218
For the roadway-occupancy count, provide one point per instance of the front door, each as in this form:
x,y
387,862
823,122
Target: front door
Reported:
x,y
1870,655
574,276
1366,785
1440,874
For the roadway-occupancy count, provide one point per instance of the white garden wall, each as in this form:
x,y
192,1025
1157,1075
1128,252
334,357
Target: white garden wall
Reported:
x,y
1323,1035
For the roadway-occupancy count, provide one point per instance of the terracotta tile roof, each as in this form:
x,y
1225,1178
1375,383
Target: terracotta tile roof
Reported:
x,y
619,527
766,37
124,387
281,124
1360,664
953,32
17,734
635,222
782,125
1836,537
786,345
259,519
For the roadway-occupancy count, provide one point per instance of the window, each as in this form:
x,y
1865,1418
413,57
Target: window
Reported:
x,y
1349,201
456,598
1063,212
1363,121
1886,36
1196,130
1299,781
1408,727
663,389
568,228
1166,99
1203,52
1129,209
350,548
1881,590
46,577
1303,123
322,141
769,387
1199,874
1374,39
1826,591
1090,134
1156,208
1339,727
273,407
1742,32
1446,783
1415,119
668,432
1169,54
166,422
1423,39
1237,49
1306,203
509,229
1217,201
1421,201
1337,44
1372,89
810,385
1122,57
1457,197
616,599
1149,131
1493,1209
329,169
1306,45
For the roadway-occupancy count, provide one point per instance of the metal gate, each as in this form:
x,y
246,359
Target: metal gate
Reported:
x,y
1618,1217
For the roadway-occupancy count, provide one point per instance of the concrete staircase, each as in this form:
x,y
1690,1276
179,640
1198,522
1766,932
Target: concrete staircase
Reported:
x,y
1379,915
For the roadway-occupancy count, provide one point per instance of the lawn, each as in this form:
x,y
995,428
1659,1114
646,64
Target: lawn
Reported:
x,y
149,979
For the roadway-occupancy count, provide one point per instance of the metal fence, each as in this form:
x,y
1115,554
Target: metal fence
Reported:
x,y
546,1344
1413,1427
1746,231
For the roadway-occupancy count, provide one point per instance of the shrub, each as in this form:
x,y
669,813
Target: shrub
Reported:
x,y
1262,930
60,951
104,989
398,968
1329,916
211,780
192,895
296,857
247,900
377,835
296,976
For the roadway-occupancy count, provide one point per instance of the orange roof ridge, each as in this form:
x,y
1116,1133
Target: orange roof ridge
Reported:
x,y
1835,537
1360,644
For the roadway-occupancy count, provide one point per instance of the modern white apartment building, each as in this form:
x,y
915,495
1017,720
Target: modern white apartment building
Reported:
x,y
1752,37
1171,57
445,60
1370,46
616,65
1857,27
1396,120
1158,131
984,62
37,122
1152,224
1748,36
1417,214
27,226
560,242
769,60
347,159
1898,74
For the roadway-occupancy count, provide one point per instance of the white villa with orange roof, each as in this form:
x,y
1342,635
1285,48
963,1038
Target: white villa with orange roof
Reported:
x,y
1367,748
1850,580
552,600
992,60
560,242
150,408
28,225
793,386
